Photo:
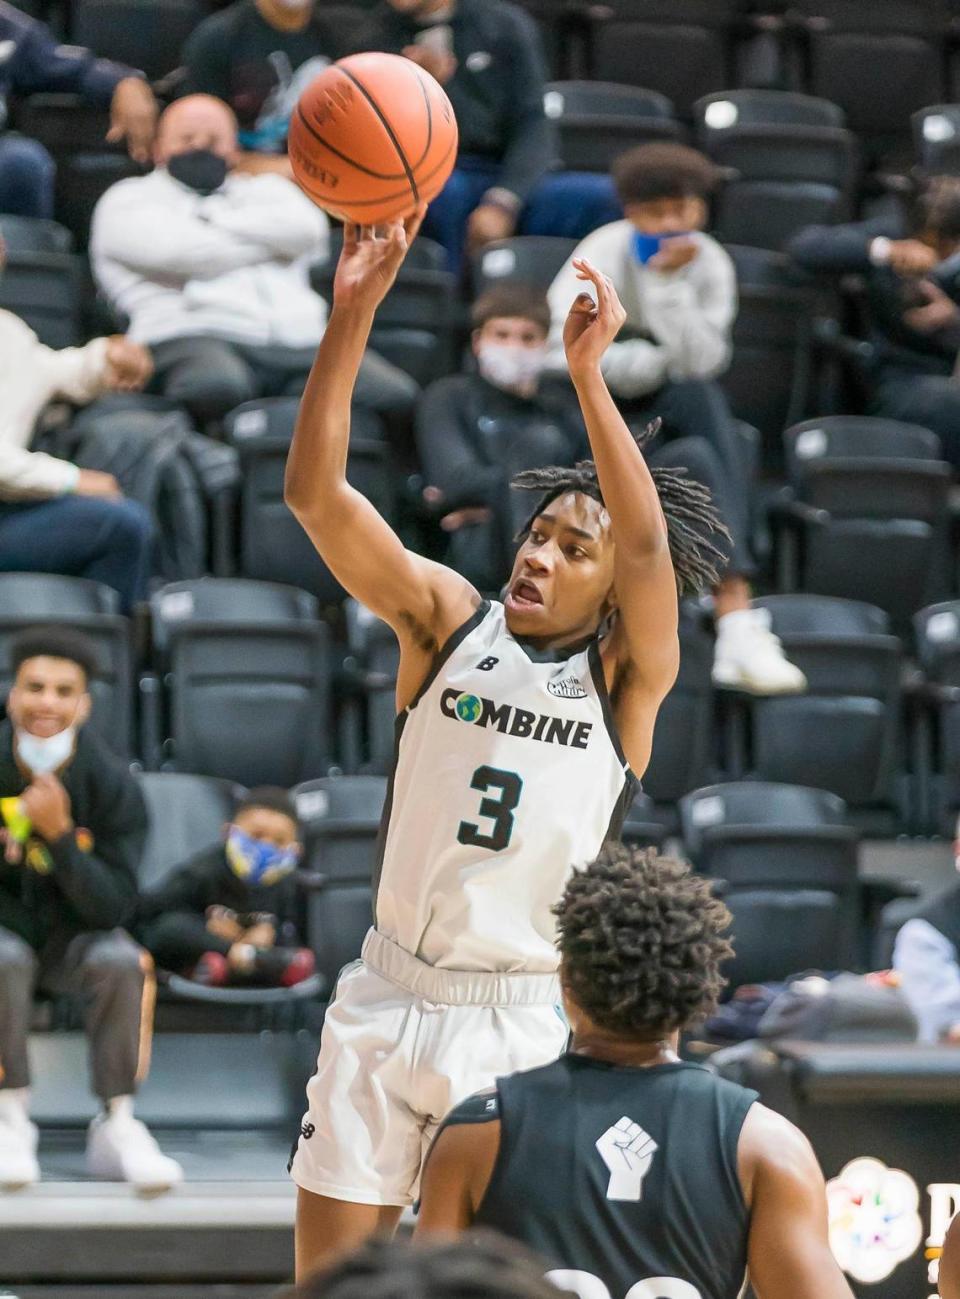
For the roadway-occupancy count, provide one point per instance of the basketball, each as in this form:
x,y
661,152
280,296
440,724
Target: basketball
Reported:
x,y
371,137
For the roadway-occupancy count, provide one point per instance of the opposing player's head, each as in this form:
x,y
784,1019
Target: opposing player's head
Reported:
x,y
561,587
510,326
482,1265
641,941
664,187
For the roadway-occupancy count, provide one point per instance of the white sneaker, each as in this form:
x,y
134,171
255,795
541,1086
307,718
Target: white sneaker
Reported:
x,y
18,1149
121,1148
749,657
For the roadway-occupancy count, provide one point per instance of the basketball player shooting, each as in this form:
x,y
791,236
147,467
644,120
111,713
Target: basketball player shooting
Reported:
x,y
522,728
632,1172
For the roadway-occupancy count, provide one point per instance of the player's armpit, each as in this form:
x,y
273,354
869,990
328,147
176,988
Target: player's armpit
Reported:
x,y
789,1254
456,1175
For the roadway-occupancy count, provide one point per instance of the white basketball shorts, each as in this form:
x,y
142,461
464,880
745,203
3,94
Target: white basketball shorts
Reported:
x,y
402,1044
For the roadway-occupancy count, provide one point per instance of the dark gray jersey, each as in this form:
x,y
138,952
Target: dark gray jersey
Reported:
x,y
624,1179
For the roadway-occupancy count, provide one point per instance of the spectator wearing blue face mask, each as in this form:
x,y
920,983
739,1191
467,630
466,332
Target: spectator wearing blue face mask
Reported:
x,y
230,915
678,287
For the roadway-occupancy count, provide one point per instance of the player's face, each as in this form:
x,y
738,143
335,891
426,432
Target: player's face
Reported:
x,y
48,695
668,216
561,586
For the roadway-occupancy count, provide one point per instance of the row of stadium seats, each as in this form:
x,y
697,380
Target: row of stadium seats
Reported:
x,y
243,681
785,858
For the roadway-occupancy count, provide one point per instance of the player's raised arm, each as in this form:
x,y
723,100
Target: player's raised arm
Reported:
x,y
419,599
789,1254
644,646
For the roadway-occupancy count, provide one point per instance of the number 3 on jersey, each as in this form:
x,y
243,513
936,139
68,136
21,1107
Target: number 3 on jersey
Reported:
x,y
499,810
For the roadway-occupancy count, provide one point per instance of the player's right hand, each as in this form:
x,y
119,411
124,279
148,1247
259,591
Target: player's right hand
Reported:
x,y
370,260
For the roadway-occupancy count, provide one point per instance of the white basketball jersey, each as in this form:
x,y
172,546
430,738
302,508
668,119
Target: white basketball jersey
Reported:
x,y
508,774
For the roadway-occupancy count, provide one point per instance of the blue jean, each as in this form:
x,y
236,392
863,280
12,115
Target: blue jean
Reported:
x,y
26,176
80,536
566,203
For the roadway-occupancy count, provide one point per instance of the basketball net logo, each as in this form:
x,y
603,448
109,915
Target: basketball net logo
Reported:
x,y
628,1153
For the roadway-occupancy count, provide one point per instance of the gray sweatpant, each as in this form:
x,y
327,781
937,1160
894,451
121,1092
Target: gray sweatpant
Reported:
x,y
113,976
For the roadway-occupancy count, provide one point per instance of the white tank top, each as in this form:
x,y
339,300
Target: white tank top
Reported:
x,y
508,774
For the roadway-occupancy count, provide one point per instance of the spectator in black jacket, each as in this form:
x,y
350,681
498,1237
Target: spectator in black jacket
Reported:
x,y
32,60
257,56
73,824
488,56
475,431
231,914
913,282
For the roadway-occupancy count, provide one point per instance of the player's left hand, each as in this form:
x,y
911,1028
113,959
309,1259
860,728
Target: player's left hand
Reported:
x,y
591,326
370,260
47,804
133,117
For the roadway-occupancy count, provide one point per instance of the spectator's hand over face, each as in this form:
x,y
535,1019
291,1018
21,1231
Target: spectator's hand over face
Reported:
x,y
911,257
129,364
92,482
939,311
487,223
441,64
47,804
133,117
223,923
591,326
674,254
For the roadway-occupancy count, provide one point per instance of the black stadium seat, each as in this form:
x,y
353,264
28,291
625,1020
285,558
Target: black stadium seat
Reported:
x,y
789,161
787,859
937,635
936,139
45,290
273,546
144,34
341,822
44,599
530,259
243,668
186,815
22,234
596,121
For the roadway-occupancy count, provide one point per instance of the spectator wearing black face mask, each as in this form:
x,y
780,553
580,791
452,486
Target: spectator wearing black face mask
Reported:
x,y
212,268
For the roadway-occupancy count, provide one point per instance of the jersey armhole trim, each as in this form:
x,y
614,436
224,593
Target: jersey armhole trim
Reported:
x,y
453,641
595,660
498,1163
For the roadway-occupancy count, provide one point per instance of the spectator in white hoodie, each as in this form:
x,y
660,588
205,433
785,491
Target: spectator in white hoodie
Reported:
x,y
679,289
54,516
211,266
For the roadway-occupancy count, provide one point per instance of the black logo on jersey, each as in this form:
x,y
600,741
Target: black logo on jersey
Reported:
x,y
307,1130
487,664
509,720
567,688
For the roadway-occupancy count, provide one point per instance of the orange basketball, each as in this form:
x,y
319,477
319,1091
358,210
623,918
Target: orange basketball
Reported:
x,y
371,137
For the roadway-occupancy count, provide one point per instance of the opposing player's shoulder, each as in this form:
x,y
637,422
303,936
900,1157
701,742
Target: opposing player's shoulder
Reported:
x,y
774,1154
481,1107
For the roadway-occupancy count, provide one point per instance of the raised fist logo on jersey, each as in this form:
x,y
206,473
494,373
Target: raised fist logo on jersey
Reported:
x,y
628,1153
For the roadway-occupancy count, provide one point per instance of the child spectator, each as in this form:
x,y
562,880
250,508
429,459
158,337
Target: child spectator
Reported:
x,y
230,914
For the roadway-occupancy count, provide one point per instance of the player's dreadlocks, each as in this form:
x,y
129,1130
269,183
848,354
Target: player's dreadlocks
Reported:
x,y
687,508
641,942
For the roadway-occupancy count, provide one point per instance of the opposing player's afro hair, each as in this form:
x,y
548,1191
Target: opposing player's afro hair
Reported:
x,y
481,1265
641,943
692,521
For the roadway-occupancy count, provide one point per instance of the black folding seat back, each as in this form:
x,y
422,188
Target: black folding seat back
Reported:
x,y
757,803
779,932
144,34
225,600
273,545
683,736
937,632
532,259
341,822
850,437
683,48
716,114
766,213
22,234
879,61
44,289
597,121
936,139
186,816
249,703
810,616
47,597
